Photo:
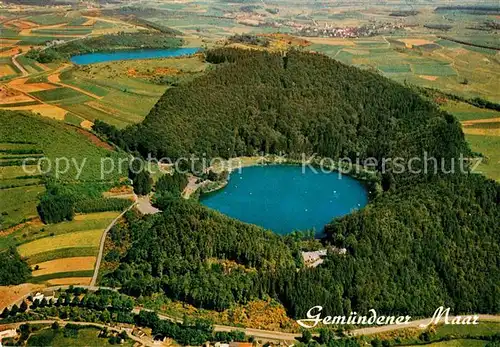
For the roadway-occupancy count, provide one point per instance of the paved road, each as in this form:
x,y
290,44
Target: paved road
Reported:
x,y
281,336
101,247
414,324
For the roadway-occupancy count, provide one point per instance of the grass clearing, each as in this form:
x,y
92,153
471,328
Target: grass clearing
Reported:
x,y
86,337
56,94
433,70
59,140
12,172
482,329
402,68
86,111
489,146
19,204
126,90
19,182
89,87
48,19
63,31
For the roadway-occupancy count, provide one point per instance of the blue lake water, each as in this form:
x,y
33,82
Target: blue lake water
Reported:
x,y
283,198
92,58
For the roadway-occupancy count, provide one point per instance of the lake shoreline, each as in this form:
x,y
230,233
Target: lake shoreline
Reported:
x,y
367,178
132,54
308,199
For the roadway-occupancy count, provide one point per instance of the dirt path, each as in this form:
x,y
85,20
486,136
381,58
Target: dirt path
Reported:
x,y
478,121
21,68
191,187
101,246
54,78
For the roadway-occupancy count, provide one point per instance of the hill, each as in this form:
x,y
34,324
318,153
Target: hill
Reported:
x,y
427,240
298,103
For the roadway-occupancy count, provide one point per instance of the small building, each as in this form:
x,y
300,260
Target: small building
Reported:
x,y
313,259
6,334
49,294
38,296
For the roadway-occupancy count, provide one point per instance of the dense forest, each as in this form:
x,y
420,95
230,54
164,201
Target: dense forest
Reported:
x,y
298,103
408,253
426,241
13,270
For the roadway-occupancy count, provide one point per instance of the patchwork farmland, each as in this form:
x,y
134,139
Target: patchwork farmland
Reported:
x,y
63,253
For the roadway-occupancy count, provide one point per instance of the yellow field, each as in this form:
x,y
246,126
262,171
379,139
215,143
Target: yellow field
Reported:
x,y
6,70
428,78
86,124
10,294
65,265
415,42
9,53
84,281
45,110
88,238
481,131
36,87
12,96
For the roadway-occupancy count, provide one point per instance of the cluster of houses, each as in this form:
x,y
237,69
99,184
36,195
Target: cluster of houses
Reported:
x,y
349,32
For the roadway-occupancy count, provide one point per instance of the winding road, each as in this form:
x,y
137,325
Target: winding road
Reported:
x,y
256,333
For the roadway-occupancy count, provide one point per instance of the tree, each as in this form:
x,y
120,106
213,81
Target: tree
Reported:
x,y
13,269
306,336
23,307
14,310
5,313
142,183
55,208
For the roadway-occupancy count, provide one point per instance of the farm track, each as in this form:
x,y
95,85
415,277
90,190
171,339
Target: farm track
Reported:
x,y
479,121
101,246
19,66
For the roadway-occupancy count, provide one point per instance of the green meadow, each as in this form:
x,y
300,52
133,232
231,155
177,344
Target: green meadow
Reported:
x,y
83,338
489,147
